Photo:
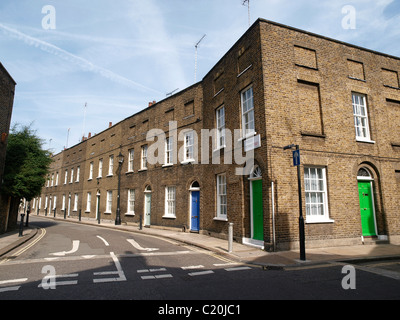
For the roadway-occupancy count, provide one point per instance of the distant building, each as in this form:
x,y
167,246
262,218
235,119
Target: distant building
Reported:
x,y
280,85
7,90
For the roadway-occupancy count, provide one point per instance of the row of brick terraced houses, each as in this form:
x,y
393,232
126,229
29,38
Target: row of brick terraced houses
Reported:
x,y
338,102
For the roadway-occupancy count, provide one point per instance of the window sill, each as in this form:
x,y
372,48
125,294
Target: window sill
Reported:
x,y
248,135
131,214
314,221
129,172
366,141
167,165
141,170
188,161
168,217
220,219
109,175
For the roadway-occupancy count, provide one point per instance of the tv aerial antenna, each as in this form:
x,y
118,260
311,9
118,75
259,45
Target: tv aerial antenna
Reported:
x,y
248,7
195,64
172,92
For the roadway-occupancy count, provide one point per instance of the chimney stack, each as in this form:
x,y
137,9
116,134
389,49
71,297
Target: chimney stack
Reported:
x,y
110,124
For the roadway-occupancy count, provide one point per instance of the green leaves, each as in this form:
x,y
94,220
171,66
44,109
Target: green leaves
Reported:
x,y
27,164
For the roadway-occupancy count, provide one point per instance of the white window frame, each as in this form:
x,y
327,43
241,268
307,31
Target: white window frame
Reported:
x,y
247,109
131,157
66,177
189,147
90,171
54,202
170,202
109,202
63,202
143,162
56,179
168,151
100,172
72,176
131,202
222,200
88,201
220,124
78,172
316,195
110,165
76,198
360,114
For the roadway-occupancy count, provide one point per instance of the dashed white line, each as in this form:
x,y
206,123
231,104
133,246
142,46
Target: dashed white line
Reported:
x,y
192,267
238,269
200,273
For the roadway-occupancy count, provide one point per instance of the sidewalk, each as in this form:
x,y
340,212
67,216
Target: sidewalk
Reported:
x,y
241,253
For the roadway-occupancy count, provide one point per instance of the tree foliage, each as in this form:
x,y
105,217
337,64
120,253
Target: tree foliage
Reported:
x,y
27,164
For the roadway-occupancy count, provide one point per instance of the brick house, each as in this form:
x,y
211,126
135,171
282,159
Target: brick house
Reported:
x,y
279,85
7,90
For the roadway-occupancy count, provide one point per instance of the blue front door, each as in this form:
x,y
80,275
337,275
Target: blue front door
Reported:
x,y
195,223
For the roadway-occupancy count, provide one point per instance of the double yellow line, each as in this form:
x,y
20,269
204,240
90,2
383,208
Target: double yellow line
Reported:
x,y
22,250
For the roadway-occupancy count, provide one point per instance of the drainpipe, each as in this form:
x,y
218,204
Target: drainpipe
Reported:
x,y
273,216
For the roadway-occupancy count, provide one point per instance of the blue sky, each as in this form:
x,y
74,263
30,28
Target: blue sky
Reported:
x,y
116,56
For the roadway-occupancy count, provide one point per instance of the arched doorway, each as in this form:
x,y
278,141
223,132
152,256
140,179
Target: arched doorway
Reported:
x,y
147,206
195,206
256,206
367,204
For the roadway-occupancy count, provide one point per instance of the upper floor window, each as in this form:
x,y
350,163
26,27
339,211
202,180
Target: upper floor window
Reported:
x,y
360,112
189,146
220,119
111,165
247,112
168,150
130,160
144,157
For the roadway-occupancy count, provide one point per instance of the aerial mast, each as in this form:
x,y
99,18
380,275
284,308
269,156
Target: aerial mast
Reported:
x,y
195,65
248,7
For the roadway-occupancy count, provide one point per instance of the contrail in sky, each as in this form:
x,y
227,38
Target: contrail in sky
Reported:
x,y
67,56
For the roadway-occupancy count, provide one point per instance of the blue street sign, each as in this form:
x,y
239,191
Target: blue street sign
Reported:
x,y
296,158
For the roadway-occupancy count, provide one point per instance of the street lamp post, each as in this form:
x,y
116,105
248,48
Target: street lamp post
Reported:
x,y
296,162
118,216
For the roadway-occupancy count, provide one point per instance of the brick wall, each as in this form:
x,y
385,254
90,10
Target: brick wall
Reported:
x,y
7,89
302,87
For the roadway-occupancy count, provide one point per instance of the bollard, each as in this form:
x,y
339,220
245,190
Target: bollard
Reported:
x,y
230,237
54,212
21,225
140,223
80,214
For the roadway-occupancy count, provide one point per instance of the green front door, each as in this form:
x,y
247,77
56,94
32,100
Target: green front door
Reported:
x,y
366,208
258,216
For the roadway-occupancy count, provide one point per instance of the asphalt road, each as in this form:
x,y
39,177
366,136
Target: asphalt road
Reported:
x,y
69,261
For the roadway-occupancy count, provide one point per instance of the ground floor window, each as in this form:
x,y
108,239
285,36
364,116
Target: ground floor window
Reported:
x,y
221,197
316,194
170,204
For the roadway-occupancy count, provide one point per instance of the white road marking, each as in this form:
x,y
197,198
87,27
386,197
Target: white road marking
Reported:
x,y
75,247
192,267
51,280
139,247
104,240
119,272
13,281
16,288
157,276
238,269
151,270
200,273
